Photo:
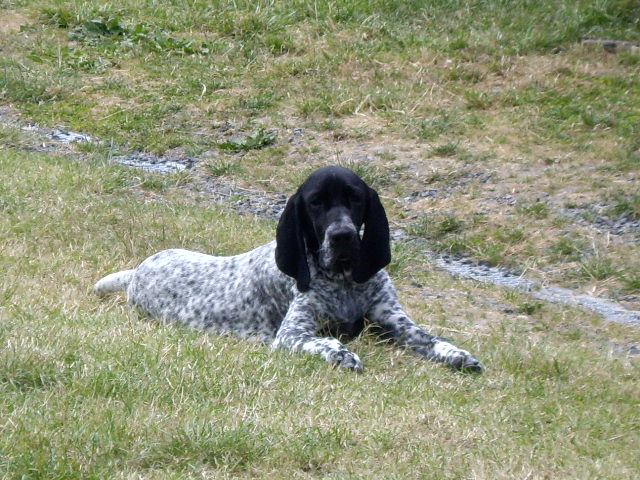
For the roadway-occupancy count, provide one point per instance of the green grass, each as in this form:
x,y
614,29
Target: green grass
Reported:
x,y
537,210
597,267
475,121
209,52
90,390
446,150
434,228
628,205
224,167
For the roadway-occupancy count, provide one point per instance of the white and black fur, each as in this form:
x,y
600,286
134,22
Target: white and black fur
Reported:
x,y
321,280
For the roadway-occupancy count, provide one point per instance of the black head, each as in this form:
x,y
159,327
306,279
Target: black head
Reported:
x,y
323,222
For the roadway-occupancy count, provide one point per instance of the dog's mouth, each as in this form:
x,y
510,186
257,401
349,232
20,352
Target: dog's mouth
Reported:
x,y
343,263
337,264
338,260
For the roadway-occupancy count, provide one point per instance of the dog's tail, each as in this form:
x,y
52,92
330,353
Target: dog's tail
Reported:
x,y
113,283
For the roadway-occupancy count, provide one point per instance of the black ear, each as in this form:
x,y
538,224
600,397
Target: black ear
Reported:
x,y
375,251
291,253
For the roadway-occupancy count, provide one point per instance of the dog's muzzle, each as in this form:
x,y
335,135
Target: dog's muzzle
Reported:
x,y
340,247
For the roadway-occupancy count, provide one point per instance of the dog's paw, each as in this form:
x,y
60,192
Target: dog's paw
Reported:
x,y
465,362
348,360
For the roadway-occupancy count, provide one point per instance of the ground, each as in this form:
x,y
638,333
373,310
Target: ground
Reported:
x,y
496,136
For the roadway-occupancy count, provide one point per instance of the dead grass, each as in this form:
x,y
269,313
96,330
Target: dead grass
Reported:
x,y
11,22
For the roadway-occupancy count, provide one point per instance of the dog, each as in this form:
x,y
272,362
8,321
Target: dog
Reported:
x,y
316,286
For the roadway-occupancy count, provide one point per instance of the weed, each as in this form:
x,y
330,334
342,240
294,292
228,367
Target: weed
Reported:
x,y
437,227
179,178
529,308
224,167
567,248
281,44
23,83
629,59
258,139
71,58
458,43
537,210
627,205
11,137
374,175
329,124
445,122
489,243
207,444
109,30
476,100
628,157
153,183
465,74
446,149
597,119
597,267
403,256
631,280
115,183
260,102
484,246
60,17
104,26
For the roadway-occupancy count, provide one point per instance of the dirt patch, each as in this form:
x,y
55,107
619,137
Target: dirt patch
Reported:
x,y
11,22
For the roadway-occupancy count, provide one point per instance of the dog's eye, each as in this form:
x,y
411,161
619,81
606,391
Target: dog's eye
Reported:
x,y
315,202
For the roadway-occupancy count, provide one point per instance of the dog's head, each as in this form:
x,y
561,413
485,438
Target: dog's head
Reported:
x,y
323,221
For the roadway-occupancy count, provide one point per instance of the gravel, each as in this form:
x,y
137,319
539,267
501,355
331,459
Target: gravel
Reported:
x,y
598,215
483,272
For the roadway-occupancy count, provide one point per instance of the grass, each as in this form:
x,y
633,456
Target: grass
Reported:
x,y
627,205
597,267
223,167
478,125
538,210
446,150
90,390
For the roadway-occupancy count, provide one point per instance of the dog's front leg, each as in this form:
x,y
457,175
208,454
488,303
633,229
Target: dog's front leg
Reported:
x,y
298,332
387,313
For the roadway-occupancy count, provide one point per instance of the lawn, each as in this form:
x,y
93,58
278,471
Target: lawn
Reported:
x,y
490,131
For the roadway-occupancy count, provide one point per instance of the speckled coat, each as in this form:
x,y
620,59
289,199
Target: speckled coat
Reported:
x,y
249,295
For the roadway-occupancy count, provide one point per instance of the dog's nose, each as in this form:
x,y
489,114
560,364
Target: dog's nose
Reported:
x,y
342,237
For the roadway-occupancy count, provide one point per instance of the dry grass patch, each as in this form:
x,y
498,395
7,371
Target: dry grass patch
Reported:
x,y
12,22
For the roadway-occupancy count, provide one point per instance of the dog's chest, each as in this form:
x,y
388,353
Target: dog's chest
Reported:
x,y
343,311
